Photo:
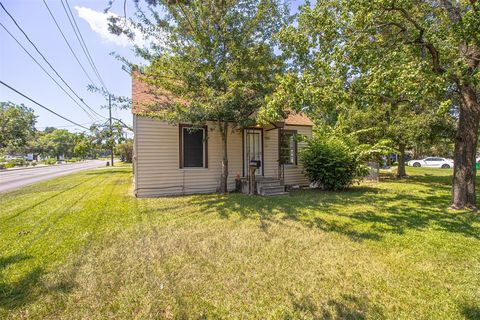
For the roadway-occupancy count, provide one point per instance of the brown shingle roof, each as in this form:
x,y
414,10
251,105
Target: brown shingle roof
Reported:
x,y
146,99
298,119
149,99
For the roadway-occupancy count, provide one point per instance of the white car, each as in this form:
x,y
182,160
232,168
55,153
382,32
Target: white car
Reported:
x,y
432,162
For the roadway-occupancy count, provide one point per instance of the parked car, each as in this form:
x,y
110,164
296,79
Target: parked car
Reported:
x,y
432,162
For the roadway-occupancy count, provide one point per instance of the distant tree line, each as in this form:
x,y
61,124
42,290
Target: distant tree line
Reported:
x,y
18,136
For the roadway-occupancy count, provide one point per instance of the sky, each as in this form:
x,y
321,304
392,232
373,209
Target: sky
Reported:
x,y
19,71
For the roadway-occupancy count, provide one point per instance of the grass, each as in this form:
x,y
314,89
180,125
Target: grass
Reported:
x,y
81,247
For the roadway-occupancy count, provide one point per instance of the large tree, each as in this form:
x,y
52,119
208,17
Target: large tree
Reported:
x,y
106,136
217,56
57,142
83,145
431,46
17,125
406,125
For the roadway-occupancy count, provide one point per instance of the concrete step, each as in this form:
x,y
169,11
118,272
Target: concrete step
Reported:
x,y
276,194
273,183
271,189
269,184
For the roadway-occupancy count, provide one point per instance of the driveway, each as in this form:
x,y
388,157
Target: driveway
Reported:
x,y
13,179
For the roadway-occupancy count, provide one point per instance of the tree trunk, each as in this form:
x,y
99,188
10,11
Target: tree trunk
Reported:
x,y
224,175
464,174
401,162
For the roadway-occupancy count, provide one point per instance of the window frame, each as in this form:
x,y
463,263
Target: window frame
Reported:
x,y
181,164
294,134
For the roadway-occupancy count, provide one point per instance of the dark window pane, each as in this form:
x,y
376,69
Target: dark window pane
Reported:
x,y
287,148
192,148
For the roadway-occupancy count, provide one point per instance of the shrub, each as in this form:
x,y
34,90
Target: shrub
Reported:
x,y
18,162
330,163
49,161
2,166
334,158
125,151
9,165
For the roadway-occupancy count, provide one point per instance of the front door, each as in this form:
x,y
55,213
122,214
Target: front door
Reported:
x,y
253,148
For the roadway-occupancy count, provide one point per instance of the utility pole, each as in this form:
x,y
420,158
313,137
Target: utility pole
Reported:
x,y
111,128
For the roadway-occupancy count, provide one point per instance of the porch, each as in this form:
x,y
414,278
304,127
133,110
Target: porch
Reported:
x,y
264,186
263,167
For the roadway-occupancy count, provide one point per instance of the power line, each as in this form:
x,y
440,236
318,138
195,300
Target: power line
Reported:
x,y
66,41
82,41
86,48
50,110
45,59
44,70
78,38
71,50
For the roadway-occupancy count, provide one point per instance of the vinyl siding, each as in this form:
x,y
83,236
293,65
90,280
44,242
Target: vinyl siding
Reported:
x,y
156,161
270,156
294,174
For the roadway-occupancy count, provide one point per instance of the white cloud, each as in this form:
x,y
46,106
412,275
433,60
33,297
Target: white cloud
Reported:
x,y
98,21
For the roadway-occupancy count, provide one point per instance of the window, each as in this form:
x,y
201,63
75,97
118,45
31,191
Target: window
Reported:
x,y
288,147
193,147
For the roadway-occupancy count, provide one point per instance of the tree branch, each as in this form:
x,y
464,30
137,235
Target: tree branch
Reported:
x,y
420,40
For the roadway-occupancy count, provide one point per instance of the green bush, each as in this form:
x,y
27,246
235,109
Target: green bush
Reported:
x,y
330,163
2,166
125,151
334,157
9,165
18,162
49,161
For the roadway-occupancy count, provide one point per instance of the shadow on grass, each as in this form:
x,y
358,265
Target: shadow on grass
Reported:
x,y
346,307
15,293
28,288
19,292
107,171
471,312
361,213
63,190
425,178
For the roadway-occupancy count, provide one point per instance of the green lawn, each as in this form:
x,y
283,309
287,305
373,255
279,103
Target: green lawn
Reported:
x,y
81,247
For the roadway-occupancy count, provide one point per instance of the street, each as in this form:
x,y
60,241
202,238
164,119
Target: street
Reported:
x,y
13,179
